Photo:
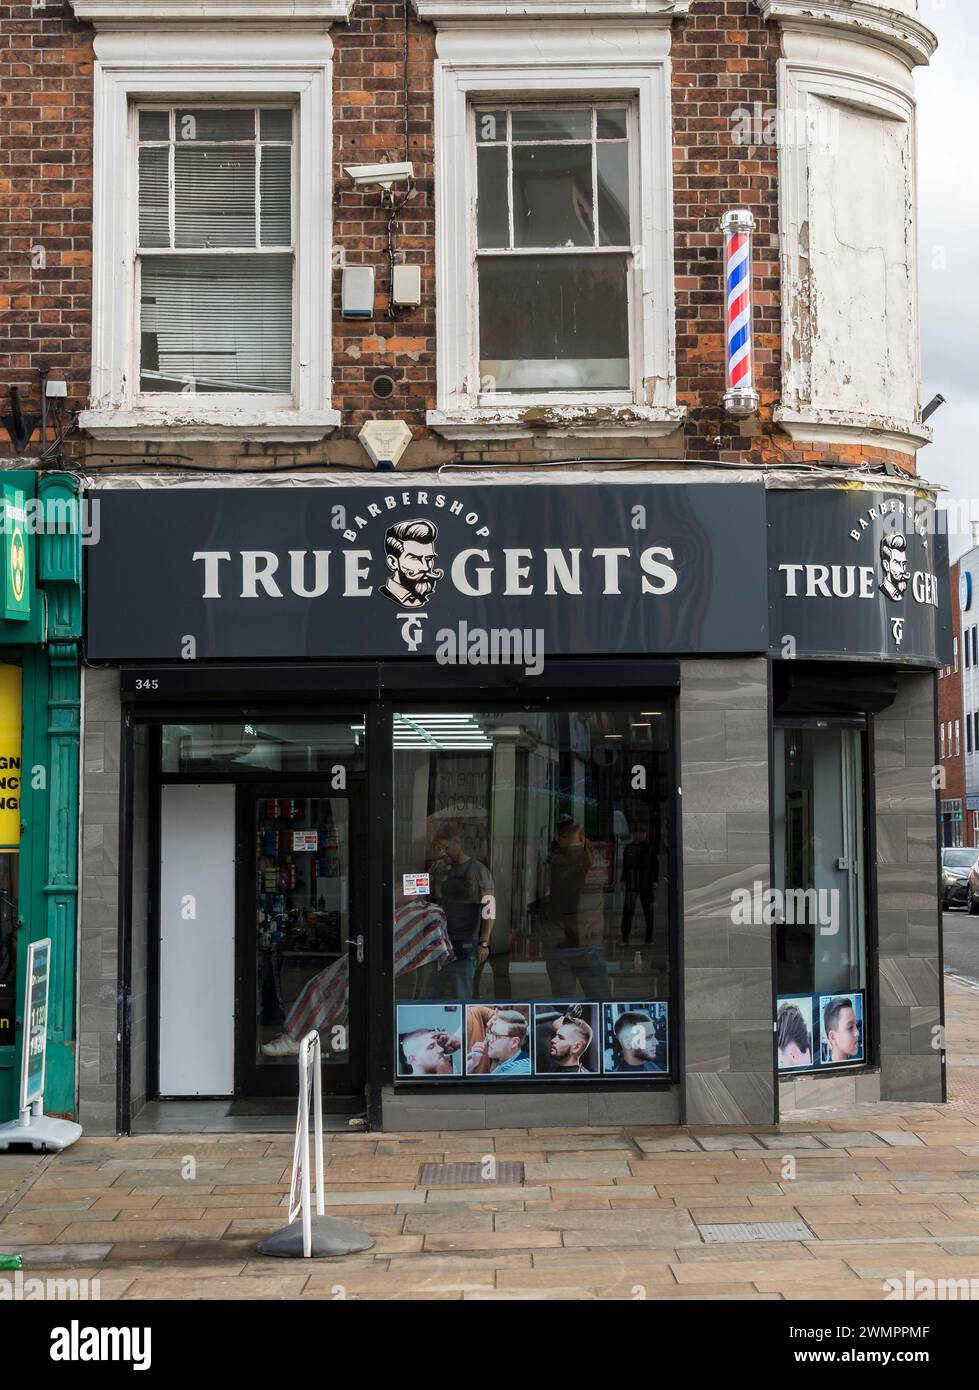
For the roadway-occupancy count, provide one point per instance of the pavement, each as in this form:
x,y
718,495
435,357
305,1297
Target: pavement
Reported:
x,y
882,1192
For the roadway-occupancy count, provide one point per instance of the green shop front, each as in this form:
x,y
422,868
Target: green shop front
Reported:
x,y
40,640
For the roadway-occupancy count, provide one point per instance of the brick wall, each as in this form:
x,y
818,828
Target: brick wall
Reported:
x,y
369,114
724,61
46,63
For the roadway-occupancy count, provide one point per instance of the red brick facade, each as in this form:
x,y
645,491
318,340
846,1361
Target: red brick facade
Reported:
x,y
724,60
46,63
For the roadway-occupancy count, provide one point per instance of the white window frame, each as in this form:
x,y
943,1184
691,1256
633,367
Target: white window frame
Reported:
x,y
510,64
494,399
222,400
238,67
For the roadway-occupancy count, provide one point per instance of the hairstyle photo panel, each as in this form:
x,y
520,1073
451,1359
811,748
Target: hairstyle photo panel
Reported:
x,y
841,1028
430,1040
567,1039
499,1040
795,1039
635,1038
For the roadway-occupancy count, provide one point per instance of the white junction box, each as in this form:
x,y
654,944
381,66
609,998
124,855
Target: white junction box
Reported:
x,y
406,290
357,292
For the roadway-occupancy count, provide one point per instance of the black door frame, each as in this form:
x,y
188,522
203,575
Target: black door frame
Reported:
x,y
252,1079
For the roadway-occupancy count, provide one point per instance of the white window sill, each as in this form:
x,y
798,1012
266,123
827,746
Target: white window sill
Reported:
x,y
287,426
166,11
478,11
576,421
814,426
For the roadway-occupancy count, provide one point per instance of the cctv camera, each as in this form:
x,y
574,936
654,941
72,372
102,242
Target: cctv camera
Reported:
x,y
383,174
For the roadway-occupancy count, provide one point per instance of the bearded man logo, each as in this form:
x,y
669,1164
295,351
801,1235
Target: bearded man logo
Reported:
x,y
895,575
411,555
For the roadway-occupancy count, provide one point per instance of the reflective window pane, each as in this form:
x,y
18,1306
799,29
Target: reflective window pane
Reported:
x,y
554,322
611,123
302,911
275,124
214,195
490,126
261,747
492,217
154,196
613,195
552,195
276,193
528,832
154,125
216,324
552,123
214,123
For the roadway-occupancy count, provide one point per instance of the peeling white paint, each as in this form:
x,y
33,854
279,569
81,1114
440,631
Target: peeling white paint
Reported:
x,y
861,289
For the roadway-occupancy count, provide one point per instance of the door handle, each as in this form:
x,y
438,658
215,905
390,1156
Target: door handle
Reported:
x,y
358,941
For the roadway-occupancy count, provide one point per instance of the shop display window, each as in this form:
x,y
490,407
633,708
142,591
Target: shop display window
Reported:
x,y
533,914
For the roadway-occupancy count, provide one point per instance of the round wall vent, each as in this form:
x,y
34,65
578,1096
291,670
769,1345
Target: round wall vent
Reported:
x,y
383,387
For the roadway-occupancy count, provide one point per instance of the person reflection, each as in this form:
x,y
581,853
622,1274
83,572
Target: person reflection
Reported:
x,y
572,931
463,887
640,870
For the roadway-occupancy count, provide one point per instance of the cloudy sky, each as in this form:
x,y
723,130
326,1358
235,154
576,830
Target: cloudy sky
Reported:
x,y
948,190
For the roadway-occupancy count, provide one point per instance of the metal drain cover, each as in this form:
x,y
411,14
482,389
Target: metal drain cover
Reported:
x,y
450,1174
714,1234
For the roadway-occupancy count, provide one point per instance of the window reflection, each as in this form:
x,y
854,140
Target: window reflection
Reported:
x,y
546,835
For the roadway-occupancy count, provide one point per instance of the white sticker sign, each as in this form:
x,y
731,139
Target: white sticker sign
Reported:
x,y
305,842
415,885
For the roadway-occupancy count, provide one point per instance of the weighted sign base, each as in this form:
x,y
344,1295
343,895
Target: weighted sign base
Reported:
x,y
41,1132
331,1236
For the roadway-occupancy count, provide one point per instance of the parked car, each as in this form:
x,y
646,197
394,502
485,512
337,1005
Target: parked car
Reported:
x,y
960,882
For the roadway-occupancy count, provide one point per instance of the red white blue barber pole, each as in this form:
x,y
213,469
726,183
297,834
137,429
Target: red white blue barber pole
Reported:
x,y
740,398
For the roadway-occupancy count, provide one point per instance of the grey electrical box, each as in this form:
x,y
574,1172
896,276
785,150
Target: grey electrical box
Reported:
x,y
407,286
357,292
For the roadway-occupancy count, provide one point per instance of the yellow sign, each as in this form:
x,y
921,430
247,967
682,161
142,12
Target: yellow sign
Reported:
x,y
10,756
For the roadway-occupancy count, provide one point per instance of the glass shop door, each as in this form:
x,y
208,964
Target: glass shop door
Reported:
x,y
300,940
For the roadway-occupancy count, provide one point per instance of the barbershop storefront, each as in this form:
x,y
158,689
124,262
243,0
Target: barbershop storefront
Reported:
x,y
582,801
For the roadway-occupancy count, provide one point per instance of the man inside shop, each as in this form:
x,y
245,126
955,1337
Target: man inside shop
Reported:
x,y
463,888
